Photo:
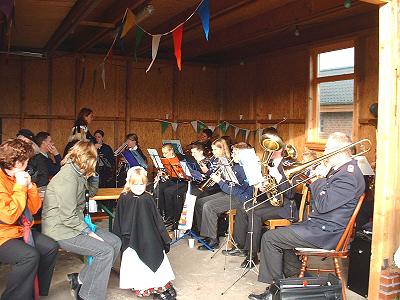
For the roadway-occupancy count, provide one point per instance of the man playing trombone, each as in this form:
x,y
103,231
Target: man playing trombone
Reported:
x,y
334,198
286,210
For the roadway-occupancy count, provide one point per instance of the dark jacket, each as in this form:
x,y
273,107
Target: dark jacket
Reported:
x,y
241,192
44,168
139,226
333,201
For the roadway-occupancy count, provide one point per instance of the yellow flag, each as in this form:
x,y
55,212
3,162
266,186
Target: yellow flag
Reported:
x,y
129,22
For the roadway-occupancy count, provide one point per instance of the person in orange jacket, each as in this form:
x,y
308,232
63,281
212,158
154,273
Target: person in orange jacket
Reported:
x,y
32,254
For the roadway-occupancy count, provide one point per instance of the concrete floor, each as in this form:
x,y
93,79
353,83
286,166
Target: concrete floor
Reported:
x,y
198,276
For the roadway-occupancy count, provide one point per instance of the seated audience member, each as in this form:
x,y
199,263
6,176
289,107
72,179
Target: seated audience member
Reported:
x,y
29,252
43,166
334,198
105,162
145,267
231,196
243,223
63,220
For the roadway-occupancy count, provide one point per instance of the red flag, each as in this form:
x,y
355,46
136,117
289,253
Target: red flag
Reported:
x,y
177,36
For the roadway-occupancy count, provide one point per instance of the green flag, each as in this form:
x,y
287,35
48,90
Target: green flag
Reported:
x,y
138,38
200,126
223,127
164,126
243,133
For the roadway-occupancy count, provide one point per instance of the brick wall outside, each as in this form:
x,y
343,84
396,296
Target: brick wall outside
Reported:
x,y
335,121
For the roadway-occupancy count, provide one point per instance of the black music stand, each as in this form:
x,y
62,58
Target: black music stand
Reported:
x,y
116,153
158,164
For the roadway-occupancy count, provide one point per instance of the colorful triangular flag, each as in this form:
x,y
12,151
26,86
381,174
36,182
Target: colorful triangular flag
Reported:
x,y
223,127
200,126
212,127
164,126
129,22
243,133
174,126
138,38
236,131
194,125
177,36
155,43
204,13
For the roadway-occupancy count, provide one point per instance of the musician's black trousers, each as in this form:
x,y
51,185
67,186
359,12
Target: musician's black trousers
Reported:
x,y
27,262
174,196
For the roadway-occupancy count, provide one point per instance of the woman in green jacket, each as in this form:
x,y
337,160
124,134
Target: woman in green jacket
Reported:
x,y
63,220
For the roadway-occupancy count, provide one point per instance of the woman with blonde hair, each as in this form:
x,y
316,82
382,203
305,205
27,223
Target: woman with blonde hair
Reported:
x,y
63,220
145,267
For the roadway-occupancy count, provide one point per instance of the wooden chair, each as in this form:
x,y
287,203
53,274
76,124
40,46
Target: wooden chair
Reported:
x,y
341,250
305,201
231,215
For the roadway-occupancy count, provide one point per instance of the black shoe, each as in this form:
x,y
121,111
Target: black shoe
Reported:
x,y
234,252
246,262
163,296
264,296
75,285
172,291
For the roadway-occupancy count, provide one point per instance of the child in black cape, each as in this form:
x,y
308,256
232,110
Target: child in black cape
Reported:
x,y
145,267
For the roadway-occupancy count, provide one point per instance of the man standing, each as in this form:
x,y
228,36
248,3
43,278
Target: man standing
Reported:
x,y
334,198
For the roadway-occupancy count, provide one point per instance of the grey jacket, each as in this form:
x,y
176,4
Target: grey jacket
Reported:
x,y
64,202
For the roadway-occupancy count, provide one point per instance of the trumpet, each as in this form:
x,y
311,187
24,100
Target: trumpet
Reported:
x,y
299,169
209,182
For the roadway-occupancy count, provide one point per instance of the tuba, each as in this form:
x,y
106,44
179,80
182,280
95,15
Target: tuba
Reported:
x,y
271,143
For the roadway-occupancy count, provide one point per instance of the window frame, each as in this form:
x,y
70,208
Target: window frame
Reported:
x,y
313,140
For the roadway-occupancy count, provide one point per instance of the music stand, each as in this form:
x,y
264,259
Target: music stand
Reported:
x,y
116,153
252,168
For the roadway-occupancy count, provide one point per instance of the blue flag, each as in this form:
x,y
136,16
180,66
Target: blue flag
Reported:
x,y
204,13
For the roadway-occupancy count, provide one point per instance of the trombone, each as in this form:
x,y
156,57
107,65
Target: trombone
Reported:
x,y
299,169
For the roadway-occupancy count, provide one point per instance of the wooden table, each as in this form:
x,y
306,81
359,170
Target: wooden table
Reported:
x,y
107,194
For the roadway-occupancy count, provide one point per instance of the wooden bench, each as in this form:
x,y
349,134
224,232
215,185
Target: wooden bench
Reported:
x,y
96,217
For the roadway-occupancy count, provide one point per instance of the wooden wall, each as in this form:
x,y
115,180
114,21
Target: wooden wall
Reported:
x,y
47,94
278,84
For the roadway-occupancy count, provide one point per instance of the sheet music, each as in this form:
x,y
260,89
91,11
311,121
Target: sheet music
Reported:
x,y
251,166
155,158
190,172
227,172
364,165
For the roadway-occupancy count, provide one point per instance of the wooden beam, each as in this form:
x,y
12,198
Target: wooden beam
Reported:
x,y
218,10
97,24
281,20
78,13
386,224
114,15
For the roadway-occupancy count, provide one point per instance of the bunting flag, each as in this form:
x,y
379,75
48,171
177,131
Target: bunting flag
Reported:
x,y
247,134
103,75
83,73
129,22
204,13
154,49
243,133
194,125
212,127
200,126
164,126
254,135
6,7
94,80
236,131
174,126
138,38
223,127
177,36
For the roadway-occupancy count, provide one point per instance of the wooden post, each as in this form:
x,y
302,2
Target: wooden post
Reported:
x,y
386,226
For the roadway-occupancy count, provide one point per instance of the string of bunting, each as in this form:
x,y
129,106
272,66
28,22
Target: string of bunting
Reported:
x,y
129,21
198,126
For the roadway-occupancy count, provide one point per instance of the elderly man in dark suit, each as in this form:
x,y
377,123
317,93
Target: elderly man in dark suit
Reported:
x,y
334,198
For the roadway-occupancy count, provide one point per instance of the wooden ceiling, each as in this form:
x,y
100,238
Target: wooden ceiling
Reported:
x,y
238,28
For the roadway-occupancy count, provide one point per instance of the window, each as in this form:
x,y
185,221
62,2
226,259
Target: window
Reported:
x,y
332,91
